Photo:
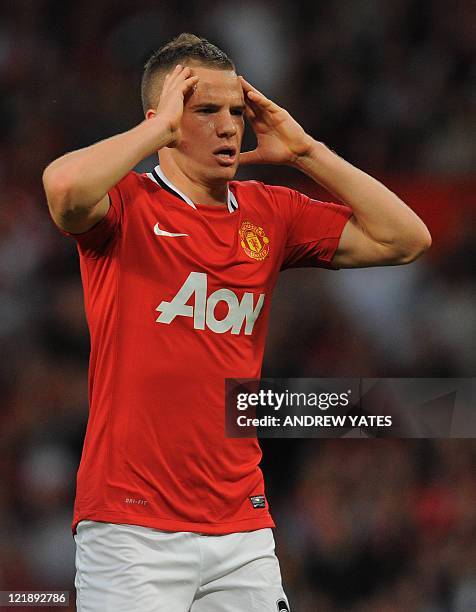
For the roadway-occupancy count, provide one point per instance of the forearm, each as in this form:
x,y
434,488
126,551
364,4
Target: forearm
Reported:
x,y
379,212
80,179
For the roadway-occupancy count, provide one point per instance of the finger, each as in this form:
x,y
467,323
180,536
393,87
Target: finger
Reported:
x,y
176,70
247,86
253,96
184,79
191,81
250,157
249,89
186,85
179,73
253,108
186,71
257,99
172,80
183,74
189,87
250,113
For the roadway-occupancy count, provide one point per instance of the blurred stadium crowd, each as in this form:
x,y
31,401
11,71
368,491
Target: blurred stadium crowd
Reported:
x,y
375,525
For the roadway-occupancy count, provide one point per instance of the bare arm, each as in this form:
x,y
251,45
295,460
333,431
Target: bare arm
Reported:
x,y
383,229
77,183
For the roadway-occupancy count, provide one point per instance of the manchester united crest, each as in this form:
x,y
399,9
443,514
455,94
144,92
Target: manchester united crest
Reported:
x,y
254,241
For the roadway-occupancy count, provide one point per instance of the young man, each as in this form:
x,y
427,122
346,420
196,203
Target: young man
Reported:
x,y
178,268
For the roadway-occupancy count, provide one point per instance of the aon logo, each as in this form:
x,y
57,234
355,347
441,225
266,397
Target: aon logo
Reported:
x,y
203,310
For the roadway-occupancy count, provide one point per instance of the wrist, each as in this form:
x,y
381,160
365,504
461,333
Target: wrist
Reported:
x,y
321,163
158,132
312,153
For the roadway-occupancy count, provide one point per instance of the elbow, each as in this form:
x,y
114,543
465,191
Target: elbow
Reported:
x,y
58,189
419,245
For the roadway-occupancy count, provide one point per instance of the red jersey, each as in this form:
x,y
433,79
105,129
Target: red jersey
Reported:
x,y
177,298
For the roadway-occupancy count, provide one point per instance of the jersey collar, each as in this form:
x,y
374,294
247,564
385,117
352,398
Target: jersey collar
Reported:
x,y
159,177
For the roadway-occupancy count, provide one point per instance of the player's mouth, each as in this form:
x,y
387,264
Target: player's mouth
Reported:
x,y
226,155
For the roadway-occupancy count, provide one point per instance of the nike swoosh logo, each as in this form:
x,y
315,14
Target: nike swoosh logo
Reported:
x,y
161,232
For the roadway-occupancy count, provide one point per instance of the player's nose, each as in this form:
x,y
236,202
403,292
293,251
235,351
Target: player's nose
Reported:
x,y
226,126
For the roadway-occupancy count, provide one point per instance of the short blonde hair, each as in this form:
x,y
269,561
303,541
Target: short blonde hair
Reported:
x,y
182,48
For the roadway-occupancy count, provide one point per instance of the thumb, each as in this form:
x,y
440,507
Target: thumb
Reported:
x,y
250,157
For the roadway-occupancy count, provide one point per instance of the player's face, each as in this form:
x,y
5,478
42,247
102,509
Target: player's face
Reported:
x,y
212,127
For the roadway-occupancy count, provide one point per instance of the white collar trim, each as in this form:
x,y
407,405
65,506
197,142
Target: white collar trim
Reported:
x,y
232,202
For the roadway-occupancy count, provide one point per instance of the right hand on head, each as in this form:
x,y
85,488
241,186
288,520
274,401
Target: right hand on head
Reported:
x,y
178,86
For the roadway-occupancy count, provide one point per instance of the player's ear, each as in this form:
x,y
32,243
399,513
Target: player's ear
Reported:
x,y
151,113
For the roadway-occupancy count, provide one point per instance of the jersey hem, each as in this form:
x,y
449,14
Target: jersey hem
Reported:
x,y
173,525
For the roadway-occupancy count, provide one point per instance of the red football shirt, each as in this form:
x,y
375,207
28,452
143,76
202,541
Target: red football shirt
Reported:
x,y
177,299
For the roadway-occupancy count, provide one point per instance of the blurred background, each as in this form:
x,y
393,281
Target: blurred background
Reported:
x,y
374,525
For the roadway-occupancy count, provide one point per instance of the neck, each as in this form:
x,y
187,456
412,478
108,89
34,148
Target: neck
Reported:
x,y
198,190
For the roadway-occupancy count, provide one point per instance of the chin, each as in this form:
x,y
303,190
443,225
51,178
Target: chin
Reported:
x,y
224,173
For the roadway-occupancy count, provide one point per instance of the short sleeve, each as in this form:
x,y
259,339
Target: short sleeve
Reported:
x,y
99,239
313,229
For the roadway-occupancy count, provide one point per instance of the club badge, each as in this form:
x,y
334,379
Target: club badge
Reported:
x,y
254,241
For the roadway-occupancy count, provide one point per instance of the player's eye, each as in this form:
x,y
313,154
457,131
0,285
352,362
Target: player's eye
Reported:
x,y
206,110
238,111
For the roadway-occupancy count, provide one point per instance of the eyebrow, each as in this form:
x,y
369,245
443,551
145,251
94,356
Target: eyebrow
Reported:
x,y
214,106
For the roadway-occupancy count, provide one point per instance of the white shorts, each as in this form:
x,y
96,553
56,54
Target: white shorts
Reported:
x,y
129,568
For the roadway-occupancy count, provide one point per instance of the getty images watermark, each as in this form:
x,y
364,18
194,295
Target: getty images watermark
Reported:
x,y
351,407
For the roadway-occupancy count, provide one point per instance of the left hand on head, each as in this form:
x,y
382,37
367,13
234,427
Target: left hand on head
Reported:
x,y
281,140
